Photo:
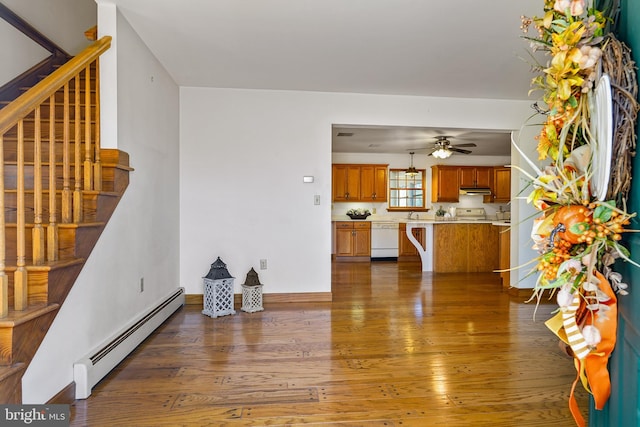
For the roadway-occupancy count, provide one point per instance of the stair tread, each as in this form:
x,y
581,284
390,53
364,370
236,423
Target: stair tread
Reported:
x,y
7,371
46,191
47,266
61,224
15,318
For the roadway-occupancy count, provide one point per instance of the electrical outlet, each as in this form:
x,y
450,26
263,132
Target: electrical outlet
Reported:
x,y
263,264
316,199
142,284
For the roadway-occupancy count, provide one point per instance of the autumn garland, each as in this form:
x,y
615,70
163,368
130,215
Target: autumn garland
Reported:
x,y
577,235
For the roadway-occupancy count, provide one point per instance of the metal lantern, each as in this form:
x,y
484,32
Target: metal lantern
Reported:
x,y
252,293
218,291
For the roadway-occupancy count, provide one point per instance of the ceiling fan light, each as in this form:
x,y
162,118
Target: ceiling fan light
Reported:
x,y
441,153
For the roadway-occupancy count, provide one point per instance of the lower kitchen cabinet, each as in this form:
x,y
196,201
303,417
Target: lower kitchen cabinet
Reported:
x,y
353,241
465,248
406,250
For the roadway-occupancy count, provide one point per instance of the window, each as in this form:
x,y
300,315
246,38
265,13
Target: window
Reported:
x,y
406,193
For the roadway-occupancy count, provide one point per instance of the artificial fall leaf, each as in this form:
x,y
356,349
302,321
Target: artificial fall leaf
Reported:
x,y
545,179
548,19
535,195
560,66
544,145
564,89
551,132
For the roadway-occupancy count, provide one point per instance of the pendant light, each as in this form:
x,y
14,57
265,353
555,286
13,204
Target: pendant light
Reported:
x,y
411,171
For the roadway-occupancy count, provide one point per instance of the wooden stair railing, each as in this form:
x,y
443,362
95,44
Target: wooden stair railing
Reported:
x,y
58,188
22,121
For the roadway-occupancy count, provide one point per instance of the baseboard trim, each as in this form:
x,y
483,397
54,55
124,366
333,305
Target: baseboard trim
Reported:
x,y
66,396
301,297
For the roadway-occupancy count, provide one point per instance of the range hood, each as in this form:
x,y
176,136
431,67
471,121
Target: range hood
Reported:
x,y
475,191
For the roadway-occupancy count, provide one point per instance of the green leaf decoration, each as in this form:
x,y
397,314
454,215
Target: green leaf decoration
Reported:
x,y
603,212
579,228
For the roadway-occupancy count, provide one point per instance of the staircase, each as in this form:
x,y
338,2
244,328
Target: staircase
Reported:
x,y
60,189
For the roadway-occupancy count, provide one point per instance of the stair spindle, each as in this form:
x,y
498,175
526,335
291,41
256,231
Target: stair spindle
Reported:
x,y
88,167
52,228
66,161
97,165
20,291
77,159
37,234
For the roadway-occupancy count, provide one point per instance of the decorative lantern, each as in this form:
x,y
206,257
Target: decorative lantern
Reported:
x,y
218,291
252,293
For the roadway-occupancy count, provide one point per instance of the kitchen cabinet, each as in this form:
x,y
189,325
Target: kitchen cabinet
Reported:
x,y
475,176
353,240
406,250
373,183
345,182
445,185
465,248
501,184
359,183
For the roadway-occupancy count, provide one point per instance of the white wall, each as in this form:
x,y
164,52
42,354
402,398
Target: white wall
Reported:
x,y
61,21
243,154
523,212
24,53
140,240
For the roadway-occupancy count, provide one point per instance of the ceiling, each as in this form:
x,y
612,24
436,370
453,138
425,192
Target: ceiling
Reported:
x,y
390,139
460,49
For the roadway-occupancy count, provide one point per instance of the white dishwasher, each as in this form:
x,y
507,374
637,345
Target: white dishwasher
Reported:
x,y
384,239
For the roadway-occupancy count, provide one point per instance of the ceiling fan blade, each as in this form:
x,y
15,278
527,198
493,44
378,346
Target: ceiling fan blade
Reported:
x,y
468,144
457,150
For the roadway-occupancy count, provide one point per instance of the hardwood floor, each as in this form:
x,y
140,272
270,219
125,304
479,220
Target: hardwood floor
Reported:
x,y
396,347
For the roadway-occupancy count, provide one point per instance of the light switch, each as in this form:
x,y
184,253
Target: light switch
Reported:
x,y
316,199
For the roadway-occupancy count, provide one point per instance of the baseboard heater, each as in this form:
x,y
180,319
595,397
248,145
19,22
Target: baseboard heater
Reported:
x,y
88,371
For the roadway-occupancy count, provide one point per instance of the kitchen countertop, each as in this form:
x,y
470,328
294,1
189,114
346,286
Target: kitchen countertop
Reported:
x,y
499,223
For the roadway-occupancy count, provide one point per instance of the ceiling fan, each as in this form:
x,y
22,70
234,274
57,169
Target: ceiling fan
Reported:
x,y
443,148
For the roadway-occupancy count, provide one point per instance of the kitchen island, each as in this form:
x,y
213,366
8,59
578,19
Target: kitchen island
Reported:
x,y
457,245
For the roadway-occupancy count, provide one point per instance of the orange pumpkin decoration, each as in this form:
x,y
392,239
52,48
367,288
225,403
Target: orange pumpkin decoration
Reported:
x,y
569,216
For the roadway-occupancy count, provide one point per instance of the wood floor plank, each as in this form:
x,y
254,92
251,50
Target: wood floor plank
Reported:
x,y
395,347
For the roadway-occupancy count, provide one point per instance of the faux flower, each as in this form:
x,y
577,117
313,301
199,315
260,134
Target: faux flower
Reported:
x,y
575,7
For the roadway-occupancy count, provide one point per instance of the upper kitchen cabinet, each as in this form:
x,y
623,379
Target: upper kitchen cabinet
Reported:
x,y
359,183
501,184
373,183
345,182
475,176
445,186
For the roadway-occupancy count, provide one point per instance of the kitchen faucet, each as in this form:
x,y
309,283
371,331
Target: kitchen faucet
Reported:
x,y
410,214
